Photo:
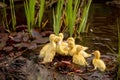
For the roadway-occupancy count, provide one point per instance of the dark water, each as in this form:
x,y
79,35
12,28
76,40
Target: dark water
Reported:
x,y
103,28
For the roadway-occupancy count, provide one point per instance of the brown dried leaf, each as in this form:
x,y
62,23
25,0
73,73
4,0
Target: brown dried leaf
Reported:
x,y
2,44
32,46
41,40
8,48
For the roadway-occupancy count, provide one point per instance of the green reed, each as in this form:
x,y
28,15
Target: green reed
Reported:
x,y
29,6
71,14
5,21
85,13
41,11
57,17
13,15
118,26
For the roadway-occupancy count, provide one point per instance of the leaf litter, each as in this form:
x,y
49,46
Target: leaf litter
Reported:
x,y
19,60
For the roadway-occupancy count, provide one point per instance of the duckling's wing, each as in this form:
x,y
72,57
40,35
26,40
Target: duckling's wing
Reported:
x,y
98,63
44,49
82,60
79,59
83,47
72,51
75,59
62,49
84,54
50,54
102,65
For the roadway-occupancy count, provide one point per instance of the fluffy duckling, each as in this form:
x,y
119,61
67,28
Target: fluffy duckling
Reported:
x,y
78,58
72,48
97,62
49,50
62,46
83,53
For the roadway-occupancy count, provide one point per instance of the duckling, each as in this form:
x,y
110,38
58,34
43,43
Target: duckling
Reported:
x,y
71,45
83,53
62,46
78,58
97,62
72,48
49,50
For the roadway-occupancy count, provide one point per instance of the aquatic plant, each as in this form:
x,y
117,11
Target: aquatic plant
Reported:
x,y
71,14
41,11
30,13
57,17
5,21
85,13
118,27
13,15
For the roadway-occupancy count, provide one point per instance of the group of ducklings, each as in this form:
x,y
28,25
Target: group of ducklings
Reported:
x,y
69,48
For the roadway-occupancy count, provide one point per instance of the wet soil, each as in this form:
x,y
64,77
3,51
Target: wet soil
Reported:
x,y
19,53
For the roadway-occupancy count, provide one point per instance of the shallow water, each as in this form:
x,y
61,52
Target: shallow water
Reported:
x,y
103,28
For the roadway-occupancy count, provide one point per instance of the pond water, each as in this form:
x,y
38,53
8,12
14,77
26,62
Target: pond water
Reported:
x,y
102,35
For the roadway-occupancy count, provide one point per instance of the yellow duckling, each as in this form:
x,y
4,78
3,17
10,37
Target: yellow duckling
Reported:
x,y
49,50
71,45
62,46
97,62
72,48
83,53
78,58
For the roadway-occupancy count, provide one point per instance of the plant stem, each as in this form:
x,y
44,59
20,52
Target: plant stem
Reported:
x,y
41,11
118,26
13,15
71,14
57,17
83,23
5,23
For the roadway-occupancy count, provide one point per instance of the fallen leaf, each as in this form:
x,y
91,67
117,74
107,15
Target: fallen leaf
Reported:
x,y
2,44
8,48
35,33
3,36
32,46
46,33
21,28
41,40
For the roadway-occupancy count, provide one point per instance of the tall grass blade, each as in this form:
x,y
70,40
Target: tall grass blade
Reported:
x,y
85,13
57,17
41,11
71,14
13,15
29,6
5,23
27,13
118,26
